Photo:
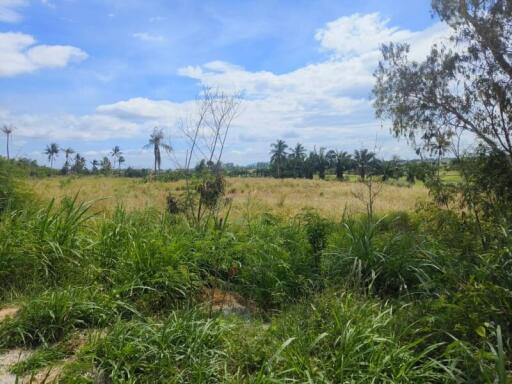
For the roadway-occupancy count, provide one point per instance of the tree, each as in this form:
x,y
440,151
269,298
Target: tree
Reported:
x,y
95,166
322,163
453,91
341,161
52,151
115,154
278,152
79,165
365,161
297,157
67,152
106,165
156,140
120,160
7,131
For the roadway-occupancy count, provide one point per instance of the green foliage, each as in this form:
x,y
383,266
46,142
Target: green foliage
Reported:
x,y
404,298
184,348
54,314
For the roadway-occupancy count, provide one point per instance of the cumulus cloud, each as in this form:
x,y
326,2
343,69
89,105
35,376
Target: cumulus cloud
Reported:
x,y
325,103
9,10
20,54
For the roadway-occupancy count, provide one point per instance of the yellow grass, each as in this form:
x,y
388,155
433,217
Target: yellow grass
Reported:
x,y
250,196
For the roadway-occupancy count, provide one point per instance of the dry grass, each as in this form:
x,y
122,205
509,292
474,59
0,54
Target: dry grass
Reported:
x,y
250,196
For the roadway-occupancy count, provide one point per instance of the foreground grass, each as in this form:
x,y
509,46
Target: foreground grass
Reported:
x,y
401,298
251,196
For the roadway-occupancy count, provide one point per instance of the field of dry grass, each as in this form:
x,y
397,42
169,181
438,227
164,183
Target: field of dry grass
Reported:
x,y
250,196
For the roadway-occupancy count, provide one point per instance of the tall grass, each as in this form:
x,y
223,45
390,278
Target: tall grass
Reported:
x,y
393,299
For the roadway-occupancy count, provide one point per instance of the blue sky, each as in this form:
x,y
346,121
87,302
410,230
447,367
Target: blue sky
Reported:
x,y
92,74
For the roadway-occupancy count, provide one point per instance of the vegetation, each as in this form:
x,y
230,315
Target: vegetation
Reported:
x,y
183,292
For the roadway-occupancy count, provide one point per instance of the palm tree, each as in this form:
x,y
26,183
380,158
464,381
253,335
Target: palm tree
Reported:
x,y
52,151
7,130
116,152
67,152
340,161
95,164
322,162
106,165
365,161
120,161
79,165
297,158
278,153
156,141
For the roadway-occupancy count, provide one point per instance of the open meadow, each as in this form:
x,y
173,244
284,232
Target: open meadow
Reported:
x,y
249,196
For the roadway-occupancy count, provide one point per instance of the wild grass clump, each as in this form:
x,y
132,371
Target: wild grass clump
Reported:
x,y
54,314
381,257
44,247
337,338
14,194
183,348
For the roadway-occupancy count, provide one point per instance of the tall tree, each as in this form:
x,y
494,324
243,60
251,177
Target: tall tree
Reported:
x,y
278,152
156,140
297,157
106,165
341,161
115,154
365,161
120,160
79,164
7,131
95,166
52,151
322,162
67,152
453,91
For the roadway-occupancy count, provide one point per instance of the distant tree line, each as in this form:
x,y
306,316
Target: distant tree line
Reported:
x,y
297,162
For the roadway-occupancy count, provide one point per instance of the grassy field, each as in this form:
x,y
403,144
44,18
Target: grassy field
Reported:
x,y
408,295
249,196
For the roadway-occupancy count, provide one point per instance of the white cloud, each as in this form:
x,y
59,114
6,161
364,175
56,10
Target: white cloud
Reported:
x,y
324,104
9,10
19,54
358,34
149,37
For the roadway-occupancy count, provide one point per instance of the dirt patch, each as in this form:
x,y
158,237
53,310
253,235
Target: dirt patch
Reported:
x,y
8,312
44,376
7,360
225,302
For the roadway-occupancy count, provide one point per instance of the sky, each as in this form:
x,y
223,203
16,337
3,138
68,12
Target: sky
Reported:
x,y
91,74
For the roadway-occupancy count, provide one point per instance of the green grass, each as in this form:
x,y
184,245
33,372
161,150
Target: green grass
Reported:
x,y
402,298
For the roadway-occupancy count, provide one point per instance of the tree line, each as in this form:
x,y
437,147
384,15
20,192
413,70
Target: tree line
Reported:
x,y
297,162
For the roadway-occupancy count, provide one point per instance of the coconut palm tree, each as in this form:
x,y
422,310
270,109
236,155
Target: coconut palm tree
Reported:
x,y
7,130
95,164
120,161
79,165
67,152
156,141
365,161
297,158
52,151
106,165
115,153
278,152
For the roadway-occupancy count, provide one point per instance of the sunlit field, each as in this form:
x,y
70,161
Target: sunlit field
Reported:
x,y
250,196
